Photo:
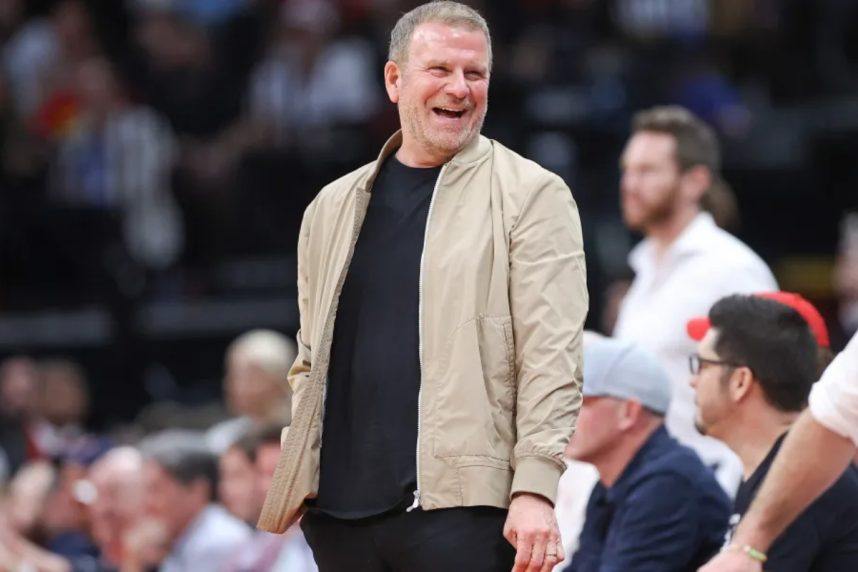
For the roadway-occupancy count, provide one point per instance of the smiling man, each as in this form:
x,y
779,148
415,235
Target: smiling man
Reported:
x,y
442,297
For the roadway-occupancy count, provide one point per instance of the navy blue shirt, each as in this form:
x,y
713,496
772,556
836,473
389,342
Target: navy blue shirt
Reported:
x,y
369,440
824,538
665,513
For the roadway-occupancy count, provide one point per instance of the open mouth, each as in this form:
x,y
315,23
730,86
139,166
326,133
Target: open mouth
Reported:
x,y
450,113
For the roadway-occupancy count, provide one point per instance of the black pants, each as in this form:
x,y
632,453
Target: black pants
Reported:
x,y
447,540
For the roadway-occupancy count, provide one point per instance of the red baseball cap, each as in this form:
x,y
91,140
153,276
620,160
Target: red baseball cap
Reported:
x,y
697,327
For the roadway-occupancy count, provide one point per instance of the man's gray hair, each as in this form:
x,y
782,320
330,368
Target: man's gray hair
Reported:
x,y
270,350
183,454
440,12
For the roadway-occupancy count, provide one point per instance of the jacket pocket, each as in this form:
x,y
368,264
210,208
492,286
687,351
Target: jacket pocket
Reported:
x,y
475,392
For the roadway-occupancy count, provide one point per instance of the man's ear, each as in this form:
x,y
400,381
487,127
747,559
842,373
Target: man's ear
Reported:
x,y
392,80
695,182
628,414
741,381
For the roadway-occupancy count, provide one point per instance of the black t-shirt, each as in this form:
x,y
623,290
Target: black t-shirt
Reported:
x,y
824,538
369,436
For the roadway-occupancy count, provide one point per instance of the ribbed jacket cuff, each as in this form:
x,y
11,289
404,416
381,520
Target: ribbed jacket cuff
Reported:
x,y
537,475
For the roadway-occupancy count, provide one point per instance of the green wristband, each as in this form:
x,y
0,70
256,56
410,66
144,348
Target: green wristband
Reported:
x,y
750,552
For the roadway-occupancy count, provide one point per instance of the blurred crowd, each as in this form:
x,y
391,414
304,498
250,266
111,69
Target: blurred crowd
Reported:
x,y
180,490
151,135
165,137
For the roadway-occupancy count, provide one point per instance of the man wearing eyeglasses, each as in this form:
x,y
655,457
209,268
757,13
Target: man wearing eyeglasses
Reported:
x,y
756,361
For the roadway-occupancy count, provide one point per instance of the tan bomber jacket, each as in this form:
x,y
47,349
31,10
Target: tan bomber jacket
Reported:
x,y
502,298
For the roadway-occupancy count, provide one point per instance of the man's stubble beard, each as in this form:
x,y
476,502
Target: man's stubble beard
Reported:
x,y
423,133
658,213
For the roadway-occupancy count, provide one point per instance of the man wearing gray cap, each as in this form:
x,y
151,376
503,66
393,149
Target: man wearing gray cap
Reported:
x,y
656,506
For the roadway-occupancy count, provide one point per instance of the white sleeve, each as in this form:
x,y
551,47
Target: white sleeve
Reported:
x,y
834,398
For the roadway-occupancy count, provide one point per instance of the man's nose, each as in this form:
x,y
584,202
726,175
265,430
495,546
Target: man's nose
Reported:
x,y
458,86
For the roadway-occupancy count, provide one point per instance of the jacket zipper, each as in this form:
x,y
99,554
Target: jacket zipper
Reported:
x,y
416,502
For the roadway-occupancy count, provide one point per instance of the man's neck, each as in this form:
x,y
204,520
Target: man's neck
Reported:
x,y
185,523
665,233
414,156
612,466
755,435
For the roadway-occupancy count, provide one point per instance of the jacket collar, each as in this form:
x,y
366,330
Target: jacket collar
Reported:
x,y
473,152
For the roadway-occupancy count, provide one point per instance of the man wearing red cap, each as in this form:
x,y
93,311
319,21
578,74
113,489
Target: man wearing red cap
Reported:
x,y
814,455
698,327
757,359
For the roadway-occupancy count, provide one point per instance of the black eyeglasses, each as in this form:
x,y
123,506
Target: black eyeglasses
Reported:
x,y
696,363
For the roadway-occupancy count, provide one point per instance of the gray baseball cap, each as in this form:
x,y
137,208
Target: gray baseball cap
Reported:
x,y
622,369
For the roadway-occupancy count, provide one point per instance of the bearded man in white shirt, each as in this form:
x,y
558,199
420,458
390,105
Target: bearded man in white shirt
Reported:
x,y
685,262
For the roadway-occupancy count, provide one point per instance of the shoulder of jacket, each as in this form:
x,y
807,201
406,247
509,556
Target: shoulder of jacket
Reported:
x,y
337,189
523,183
524,174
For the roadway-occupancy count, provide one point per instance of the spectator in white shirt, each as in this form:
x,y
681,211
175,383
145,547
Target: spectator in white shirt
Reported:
x,y
264,551
180,476
685,262
834,399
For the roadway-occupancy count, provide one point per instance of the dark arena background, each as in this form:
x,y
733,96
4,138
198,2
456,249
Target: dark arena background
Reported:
x,y
157,156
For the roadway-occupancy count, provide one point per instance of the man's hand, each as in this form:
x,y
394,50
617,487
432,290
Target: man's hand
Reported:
x,y
531,527
732,561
